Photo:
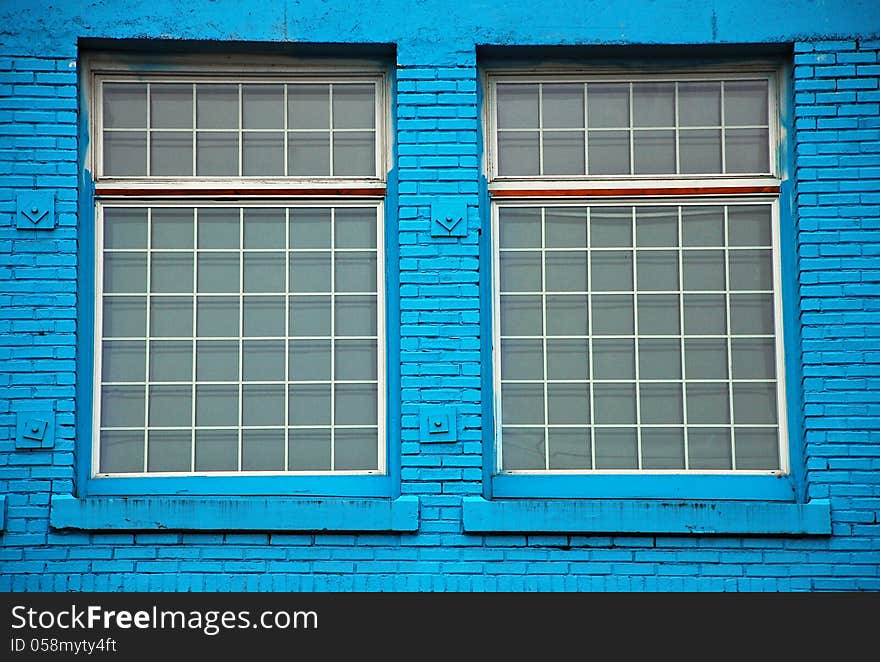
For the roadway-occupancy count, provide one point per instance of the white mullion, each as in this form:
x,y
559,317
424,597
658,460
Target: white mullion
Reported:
x,y
590,341
240,133
632,149
286,316
330,127
729,343
333,332
586,136
544,335
194,145
147,343
684,406
723,134
195,329
286,135
541,143
240,324
638,396
99,339
677,132
149,129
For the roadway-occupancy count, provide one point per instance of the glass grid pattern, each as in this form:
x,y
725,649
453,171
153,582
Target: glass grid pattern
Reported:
x,y
239,339
652,127
240,129
637,337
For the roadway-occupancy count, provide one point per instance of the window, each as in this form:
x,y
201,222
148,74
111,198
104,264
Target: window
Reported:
x,y
239,270
637,289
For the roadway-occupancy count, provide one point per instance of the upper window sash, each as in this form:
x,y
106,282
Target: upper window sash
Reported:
x,y
560,130
193,130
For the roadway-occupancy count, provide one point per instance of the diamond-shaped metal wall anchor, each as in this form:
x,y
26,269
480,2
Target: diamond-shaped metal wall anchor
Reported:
x,y
35,429
36,210
438,424
448,217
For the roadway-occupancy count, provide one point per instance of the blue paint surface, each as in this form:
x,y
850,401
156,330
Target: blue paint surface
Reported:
x,y
448,531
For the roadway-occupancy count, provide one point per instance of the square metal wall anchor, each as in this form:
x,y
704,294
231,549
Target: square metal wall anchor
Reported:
x,y
36,210
35,429
438,424
448,217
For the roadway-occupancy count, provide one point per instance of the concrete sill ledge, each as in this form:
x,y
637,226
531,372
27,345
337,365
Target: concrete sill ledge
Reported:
x,y
646,516
234,514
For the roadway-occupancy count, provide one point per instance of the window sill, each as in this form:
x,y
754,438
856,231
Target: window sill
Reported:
x,y
235,514
645,516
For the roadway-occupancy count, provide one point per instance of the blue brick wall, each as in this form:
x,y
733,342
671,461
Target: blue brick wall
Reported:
x,y
836,81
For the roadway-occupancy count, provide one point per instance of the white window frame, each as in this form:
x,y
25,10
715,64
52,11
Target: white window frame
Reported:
x,y
238,192
634,190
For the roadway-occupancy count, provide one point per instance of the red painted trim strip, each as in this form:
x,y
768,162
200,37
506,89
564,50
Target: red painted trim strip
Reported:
x,y
621,192
240,192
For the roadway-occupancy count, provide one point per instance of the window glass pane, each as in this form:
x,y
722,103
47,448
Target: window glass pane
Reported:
x,y
171,272
658,314
217,154
754,402
309,449
608,152
568,404
353,106
705,358
309,404
522,404
171,153
699,104
654,152
356,359
308,153
125,272
263,316
308,106
612,314
519,227
262,404
656,226
356,449
745,103
746,150
614,403
616,448
310,272
563,152
217,360
125,105
659,358
218,316
216,106
355,271
521,316
354,153
170,406
569,448
264,272
218,228
653,104
263,360
356,404
753,358
122,406
702,226
657,270
122,451
566,271
612,270
173,317
756,448
171,360
309,360
216,405
523,448
123,361
662,448
567,315
125,153
310,316
171,106
607,105
216,450
567,358
562,105
218,272
262,154
169,450
171,228
517,106
355,228
264,228
262,450
355,316
707,403
705,314
262,106
613,359
749,225
660,403
709,448
703,270
125,228
610,226
751,313
520,272
565,227
522,359
518,153
699,151
751,270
